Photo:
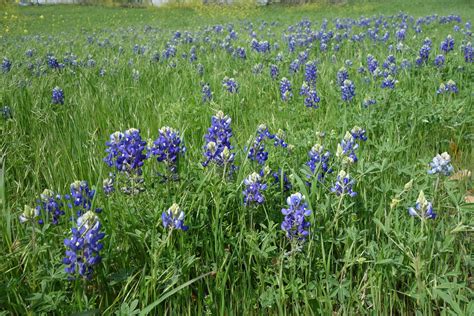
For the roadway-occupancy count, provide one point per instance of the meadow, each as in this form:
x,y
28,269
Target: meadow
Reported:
x,y
239,160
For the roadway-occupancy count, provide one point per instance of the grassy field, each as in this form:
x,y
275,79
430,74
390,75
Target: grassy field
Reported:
x,y
141,68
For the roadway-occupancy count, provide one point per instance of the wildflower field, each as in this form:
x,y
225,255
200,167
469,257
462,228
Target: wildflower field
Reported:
x,y
305,160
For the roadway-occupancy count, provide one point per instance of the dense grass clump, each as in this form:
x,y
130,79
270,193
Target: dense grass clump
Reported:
x,y
282,160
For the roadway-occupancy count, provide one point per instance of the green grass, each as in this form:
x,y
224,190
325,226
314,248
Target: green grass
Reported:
x,y
365,255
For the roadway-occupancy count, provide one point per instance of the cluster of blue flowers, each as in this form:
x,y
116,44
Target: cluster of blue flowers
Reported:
x,y
167,148
57,96
230,85
173,218
257,151
423,208
218,148
318,162
295,224
347,91
441,164
50,204
83,246
81,197
253,190
285,89
447,87
343,185
448,44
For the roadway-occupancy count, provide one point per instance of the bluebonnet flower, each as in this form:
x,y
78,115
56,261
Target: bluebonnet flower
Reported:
x,y
372,63
295,223
423,208
253,190
52,204
347,147
318,158
401,34
173,218
311,96
6,112
29,214
347,90
170,51
388,82
341,76
102,72
285,89
274,72
6,65
441,164
343,185
200,69
369,101
405,64
468,53
29,53
295,66
126,152
424,54
358,133
240,52
257,151
168,148
439,60
448,44
450,86
260,47
218,148
57,96
80,197
206,92
53,63
108,185
83,248
230,85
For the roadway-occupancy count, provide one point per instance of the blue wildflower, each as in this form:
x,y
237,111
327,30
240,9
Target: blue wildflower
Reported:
x,y
448,44
173,218
6,65
311,96
441,164
83,248
206,92
423,208
318,162
295,223
274,72
52,204
168,148
450,86
439,60
253,190
57,96
347,91
285,89
347,147
343,185
230,85
468,53
218,148
6,112
341,76
388,82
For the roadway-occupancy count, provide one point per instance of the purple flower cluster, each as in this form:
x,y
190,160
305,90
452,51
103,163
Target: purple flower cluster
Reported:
x,y
343,185
126,152
253,190
6,65
274,72
441,164
206,92
342,75
348,145
260,47
57,96
468,53
450,86
173,218
83,248
311,99
347,90
310,73
318,162
372,63
218,148
448,44
285,89
81,197
439,60
423,208
230,85
52,204
295,223
168,148
388,83
257,151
